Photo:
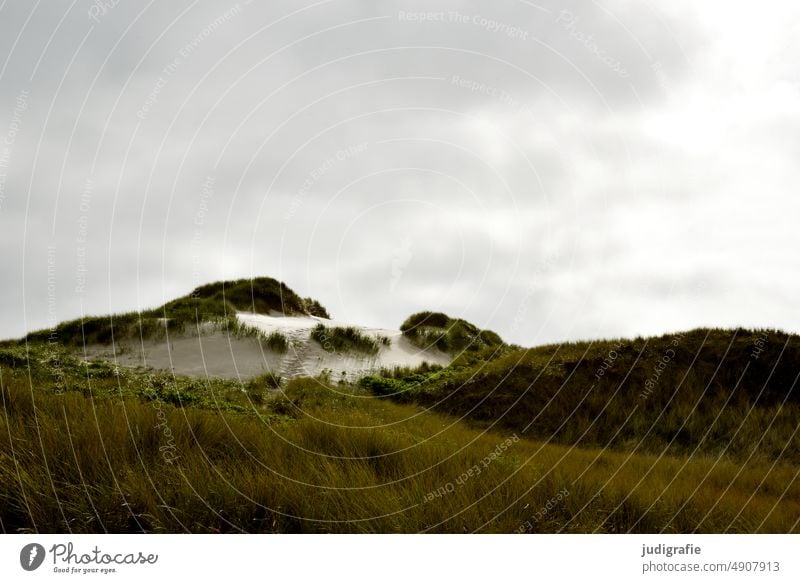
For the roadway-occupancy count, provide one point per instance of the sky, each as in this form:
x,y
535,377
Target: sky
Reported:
x,y
552,171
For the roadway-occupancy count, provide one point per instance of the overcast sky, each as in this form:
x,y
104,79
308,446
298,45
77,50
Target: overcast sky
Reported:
x,y
549,170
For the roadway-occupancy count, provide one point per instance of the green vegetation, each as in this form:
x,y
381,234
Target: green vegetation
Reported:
x,y
215,304
260,295
111,451
344,340
696,431
425,319
60,371
258,388
454,336
275,341
715,392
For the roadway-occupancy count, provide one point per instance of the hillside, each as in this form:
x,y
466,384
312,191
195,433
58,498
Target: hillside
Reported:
x,y
102,449
239,330
246,408
726,392
212,303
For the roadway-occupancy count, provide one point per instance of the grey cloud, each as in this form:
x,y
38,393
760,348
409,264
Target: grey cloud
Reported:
x,y
571,158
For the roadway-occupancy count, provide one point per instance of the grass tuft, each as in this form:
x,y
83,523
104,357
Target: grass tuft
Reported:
x,y
214,303
346,339
435,329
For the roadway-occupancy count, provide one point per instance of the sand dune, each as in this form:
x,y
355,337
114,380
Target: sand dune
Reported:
x,y
307,358
215,353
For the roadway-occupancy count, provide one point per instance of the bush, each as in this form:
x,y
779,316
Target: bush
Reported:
x,y
383,386
347,339
435,319
13,357
268,380
257,387
314,308
277,342
214,302
429,329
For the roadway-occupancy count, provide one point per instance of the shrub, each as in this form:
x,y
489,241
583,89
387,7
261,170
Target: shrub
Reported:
x,y
341,339
314,308
269,380
435,319
214,302
383,386
429,329
277,342
257,387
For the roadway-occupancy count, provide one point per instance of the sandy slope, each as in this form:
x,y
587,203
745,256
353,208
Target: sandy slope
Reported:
x,y
214,354
307,358
217,354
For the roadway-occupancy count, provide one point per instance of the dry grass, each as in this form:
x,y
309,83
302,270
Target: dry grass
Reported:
x,y
346,339
714,392
318,458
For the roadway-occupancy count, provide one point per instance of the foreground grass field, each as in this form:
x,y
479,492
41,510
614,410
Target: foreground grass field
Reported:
x,y
88,448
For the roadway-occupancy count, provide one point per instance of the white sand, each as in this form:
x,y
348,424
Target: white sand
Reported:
x,y
214,353
307,358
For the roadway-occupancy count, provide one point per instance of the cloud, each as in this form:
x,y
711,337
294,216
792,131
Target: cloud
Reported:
x,y
551,171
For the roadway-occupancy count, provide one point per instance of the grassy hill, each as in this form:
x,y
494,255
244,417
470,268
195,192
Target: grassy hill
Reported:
x,y
719,392
452,335
696,431
215,302
95,449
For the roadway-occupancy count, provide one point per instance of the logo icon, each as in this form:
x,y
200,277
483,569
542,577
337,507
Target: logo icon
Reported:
x,y
31,556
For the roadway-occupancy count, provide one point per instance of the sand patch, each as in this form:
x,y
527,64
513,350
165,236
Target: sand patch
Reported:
x,y
216,353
